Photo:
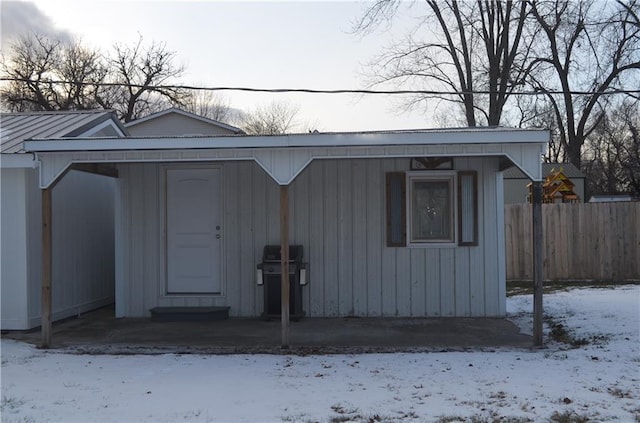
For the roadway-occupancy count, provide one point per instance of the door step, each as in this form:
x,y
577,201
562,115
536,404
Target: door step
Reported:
x,y
189,314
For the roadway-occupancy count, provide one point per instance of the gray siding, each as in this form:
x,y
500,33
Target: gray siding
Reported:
x,y
173,124
338,214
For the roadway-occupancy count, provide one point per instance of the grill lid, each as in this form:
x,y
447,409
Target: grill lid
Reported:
x,y
272,253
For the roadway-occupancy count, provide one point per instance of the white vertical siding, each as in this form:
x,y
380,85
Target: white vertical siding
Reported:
x,y
375,233
331,237
231,263
13,247
83,243
388,265
425,281
490,239
345,239
121,236
34,248
247,292
338,214
82,249
299,207
500,257
315,248
358,231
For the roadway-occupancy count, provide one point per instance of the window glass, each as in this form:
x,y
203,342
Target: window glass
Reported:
x,y
431,210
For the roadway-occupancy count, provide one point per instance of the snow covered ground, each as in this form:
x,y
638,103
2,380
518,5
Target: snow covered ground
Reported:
x,y
600,380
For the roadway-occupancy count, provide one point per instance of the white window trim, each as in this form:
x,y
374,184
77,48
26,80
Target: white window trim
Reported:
x,y
450,177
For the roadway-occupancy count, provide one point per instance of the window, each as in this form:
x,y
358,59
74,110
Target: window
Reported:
x,y
425,208
431,209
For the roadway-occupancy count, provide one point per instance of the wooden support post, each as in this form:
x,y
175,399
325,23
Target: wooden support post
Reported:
x,y
537,263
284,257
46,267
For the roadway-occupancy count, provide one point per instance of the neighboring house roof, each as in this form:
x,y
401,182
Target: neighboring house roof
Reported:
x,y
610,198
15,128
133,124
568,169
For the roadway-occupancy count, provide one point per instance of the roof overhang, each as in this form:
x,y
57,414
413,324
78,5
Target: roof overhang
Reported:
x,y
17,160
284,157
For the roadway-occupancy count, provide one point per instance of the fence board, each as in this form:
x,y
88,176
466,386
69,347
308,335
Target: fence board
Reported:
x,y
582,241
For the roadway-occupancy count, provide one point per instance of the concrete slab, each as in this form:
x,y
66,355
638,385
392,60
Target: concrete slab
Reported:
x,y
99,332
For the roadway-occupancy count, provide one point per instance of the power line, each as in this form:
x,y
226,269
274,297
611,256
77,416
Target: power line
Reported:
x,y
319,91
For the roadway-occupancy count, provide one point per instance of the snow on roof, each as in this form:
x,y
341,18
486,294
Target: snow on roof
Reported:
x,y
15,128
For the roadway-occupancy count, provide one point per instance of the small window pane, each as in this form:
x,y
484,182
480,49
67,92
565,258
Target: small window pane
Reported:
x,y
431,213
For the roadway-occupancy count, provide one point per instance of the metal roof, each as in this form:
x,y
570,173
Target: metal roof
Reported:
x,y
440,136
15,128
567,168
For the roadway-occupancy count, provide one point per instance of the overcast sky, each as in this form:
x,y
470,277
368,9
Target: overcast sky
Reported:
x,y
292,44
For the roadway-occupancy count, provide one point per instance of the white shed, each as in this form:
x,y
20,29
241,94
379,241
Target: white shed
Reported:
x,y
393,223
83,269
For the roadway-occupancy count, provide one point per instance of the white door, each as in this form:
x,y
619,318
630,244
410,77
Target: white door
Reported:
x,y
193,231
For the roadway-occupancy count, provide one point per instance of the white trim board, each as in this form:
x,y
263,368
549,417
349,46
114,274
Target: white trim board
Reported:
x,y
284,164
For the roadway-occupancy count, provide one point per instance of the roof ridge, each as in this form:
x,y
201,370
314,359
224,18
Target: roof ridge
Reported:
x,y
58,112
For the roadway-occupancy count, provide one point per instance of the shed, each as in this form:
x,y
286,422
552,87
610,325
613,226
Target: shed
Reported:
x,y
393,223
83,204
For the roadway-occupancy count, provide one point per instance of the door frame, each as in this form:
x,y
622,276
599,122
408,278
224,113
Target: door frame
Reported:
x,y
163,282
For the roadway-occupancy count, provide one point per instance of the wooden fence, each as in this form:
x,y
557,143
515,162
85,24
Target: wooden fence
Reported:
x,y
586,241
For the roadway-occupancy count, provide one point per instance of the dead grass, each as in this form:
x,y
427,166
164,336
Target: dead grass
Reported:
x,y
559,333
526,287
494,418
569,417
10,403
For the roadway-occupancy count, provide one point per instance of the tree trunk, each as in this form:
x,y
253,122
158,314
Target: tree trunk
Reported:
x,y
574,148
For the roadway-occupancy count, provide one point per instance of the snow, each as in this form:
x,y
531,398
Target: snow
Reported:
x,y
600,380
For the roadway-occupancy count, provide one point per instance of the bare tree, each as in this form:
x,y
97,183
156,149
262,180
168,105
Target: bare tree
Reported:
x,y
273,119
36,65
469,46
210,105
534,113
145,75
46,74
584,46
612,152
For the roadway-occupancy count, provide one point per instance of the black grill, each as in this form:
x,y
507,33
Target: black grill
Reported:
x,y
271,268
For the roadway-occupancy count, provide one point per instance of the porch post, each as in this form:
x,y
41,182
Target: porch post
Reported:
x,y
537,263
284,257
46,267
